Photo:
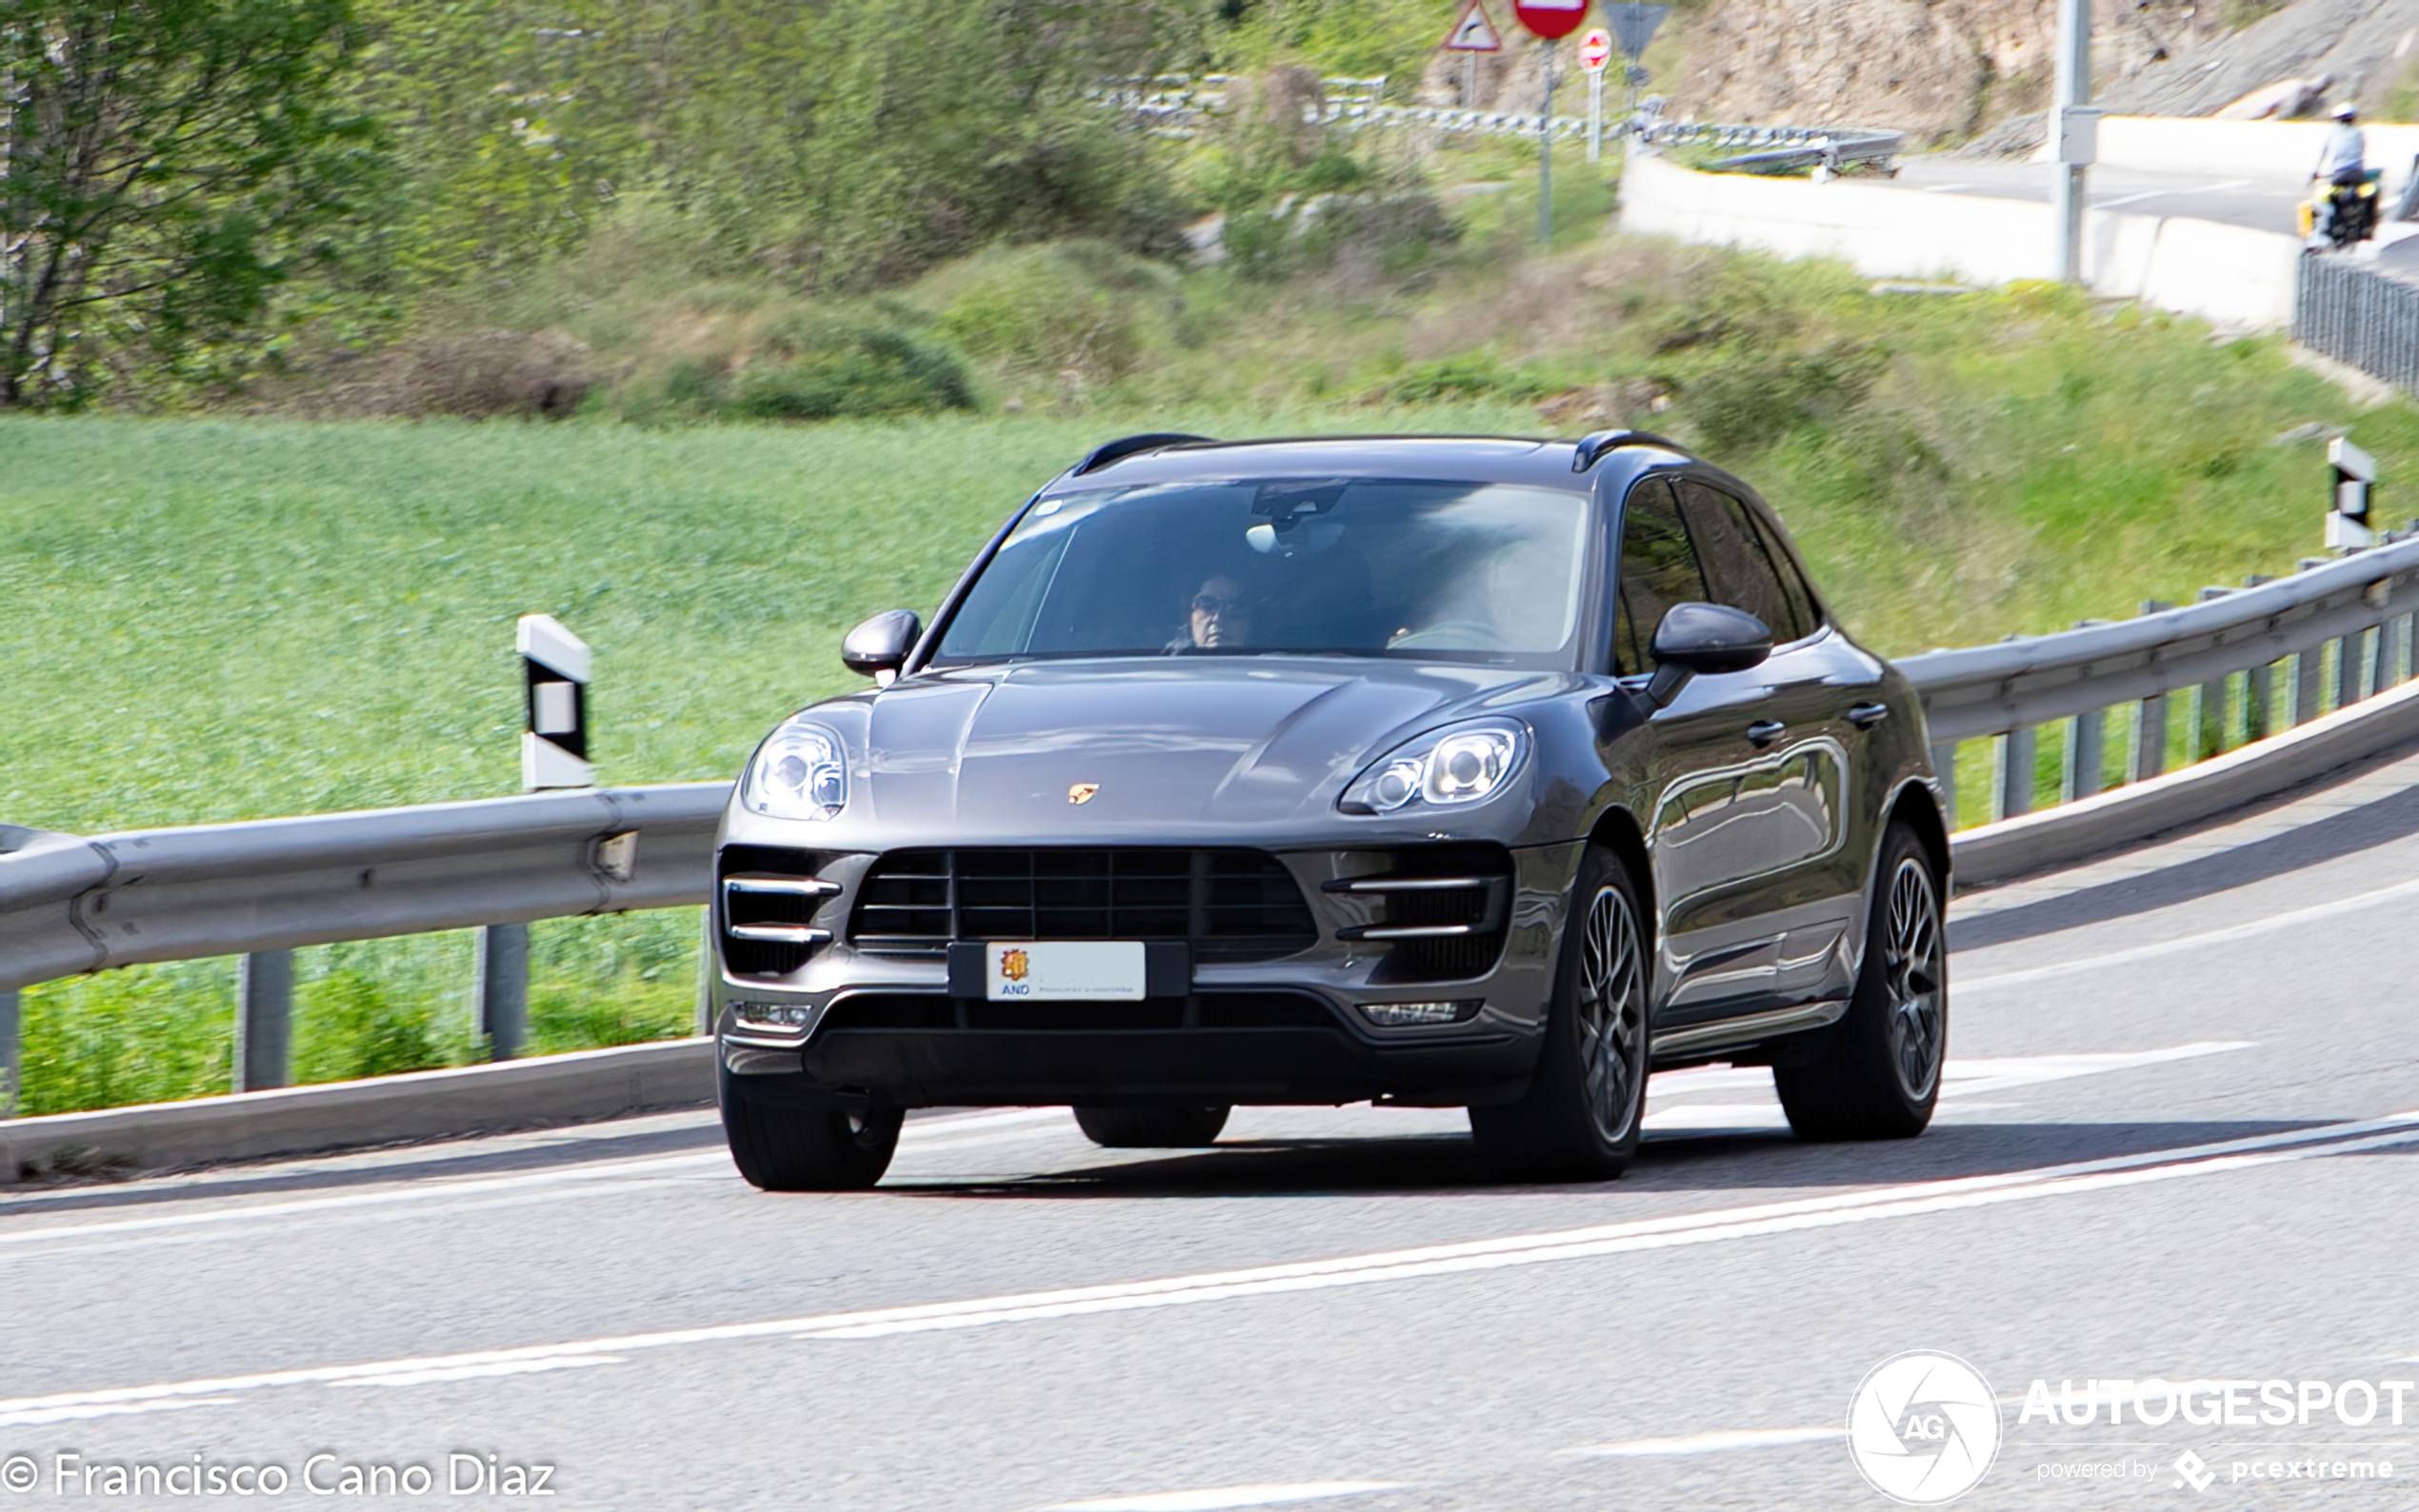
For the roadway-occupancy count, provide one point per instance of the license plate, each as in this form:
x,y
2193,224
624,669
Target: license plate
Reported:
x,y
1038,971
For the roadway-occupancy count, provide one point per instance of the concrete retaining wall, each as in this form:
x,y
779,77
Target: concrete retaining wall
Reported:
x,y
2228,275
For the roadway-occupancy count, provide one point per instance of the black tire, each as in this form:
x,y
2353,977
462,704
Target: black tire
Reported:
x,y
1875,1074
1152,1129
790,1149
1587,1097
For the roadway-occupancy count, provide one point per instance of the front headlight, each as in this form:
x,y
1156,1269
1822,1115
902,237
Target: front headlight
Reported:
x,y
1457,765
801,772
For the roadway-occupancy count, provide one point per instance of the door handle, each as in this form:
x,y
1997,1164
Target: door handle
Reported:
x,y
1865,716
1764,731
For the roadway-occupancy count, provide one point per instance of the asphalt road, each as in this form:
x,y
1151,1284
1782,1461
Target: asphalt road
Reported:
x,y
2177,1142
2265,205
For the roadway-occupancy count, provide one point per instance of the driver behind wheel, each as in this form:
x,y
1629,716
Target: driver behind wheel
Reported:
x,y
1220,619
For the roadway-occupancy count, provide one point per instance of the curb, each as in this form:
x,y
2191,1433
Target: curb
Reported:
x,y
2092,826
577,1088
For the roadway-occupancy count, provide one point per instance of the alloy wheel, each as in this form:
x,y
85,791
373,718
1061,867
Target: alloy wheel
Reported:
x,y
1613,1014
1911,970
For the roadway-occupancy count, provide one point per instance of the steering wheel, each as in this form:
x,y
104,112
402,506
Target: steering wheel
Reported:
x,y
1452,635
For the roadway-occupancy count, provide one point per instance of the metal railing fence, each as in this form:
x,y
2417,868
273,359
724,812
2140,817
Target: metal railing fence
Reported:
x,y
2242,664
2360,316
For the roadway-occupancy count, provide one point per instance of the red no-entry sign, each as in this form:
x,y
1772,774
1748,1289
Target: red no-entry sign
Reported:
x,y
1594,49
1551,19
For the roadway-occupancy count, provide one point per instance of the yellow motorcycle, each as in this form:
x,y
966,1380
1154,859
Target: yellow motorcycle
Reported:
x,y
2338,215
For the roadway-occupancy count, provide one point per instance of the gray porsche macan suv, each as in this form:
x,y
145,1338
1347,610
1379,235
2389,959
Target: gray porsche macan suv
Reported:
x,y
1432,771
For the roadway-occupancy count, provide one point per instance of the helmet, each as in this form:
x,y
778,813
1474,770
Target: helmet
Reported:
x,y
2343,110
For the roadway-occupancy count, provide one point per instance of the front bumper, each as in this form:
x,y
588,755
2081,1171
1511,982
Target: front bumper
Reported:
x,y
878,1030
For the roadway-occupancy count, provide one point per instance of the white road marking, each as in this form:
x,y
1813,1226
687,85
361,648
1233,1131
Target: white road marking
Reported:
x,y
940,1134
2270,925
2130,199
1221,1498
1706,1442
1946,189
506,1367
1961,1080
41,1415
1910,1200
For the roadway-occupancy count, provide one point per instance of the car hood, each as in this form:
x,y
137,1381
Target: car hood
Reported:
x,y
1007,751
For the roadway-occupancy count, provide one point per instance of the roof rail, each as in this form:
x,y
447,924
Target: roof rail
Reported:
x,y
1101,456
1593,446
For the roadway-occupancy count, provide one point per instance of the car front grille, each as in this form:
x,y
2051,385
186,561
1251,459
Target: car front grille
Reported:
x,y
1229,904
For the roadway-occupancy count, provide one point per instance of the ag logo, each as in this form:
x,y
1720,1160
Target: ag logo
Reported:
x,y
1923,1427
1015,964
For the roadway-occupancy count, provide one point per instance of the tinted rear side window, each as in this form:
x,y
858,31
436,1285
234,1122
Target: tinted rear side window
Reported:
x,y
1659,568
1736,567
1793,585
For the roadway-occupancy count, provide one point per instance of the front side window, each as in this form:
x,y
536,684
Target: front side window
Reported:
x,y
1659,568
1472,571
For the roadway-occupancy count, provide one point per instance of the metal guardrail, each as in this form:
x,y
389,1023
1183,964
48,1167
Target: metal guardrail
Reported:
x,y
2334,634
1834,147
2358,315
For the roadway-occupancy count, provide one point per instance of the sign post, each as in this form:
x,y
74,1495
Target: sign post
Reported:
x,y
1472,35
1593,49
555,666
1549,20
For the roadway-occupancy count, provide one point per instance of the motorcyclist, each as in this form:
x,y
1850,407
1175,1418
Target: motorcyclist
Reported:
x,y
2337,215
2344,161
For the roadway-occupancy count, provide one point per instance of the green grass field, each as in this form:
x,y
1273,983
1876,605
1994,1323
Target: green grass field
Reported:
x,y
219,619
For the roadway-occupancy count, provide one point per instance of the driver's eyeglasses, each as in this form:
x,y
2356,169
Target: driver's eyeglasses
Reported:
x,y
1212,604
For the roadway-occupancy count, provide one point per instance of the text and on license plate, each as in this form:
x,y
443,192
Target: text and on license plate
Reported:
x,y
1037,970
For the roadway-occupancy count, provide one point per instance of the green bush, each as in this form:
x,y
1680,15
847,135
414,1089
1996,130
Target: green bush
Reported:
x,y
1082,305
1471,375
346,1027
1751,397
154,1034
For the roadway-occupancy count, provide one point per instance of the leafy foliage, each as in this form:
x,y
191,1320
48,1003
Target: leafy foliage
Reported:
x,y
168,163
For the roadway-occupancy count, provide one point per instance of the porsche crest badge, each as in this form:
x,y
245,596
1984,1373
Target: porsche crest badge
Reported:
x,y
1082,792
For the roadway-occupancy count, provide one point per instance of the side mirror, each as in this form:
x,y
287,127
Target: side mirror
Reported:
x,y
1696,638
879,648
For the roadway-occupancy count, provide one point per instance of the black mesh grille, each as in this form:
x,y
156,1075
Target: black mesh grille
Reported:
x,y
761,957
1229,904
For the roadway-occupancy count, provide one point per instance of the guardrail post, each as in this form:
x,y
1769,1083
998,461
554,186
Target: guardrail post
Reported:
x,y
1944,763
2208,722
2082,775
2147,757
2378,672
2014,776
12,1054
503,988
2347,670
264,1021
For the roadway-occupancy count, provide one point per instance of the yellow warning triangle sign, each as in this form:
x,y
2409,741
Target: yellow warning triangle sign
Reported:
x,y
1473,32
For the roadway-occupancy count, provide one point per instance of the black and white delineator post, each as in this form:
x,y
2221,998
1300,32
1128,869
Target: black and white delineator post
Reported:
x,y
554,672
555,664
2348,511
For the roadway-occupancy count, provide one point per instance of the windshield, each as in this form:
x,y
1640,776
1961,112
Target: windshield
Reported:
x,y
1463,571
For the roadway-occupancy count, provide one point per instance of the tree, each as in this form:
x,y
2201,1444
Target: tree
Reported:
x,y
164,166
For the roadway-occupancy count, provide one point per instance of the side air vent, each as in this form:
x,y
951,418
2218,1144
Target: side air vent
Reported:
x,y
766,898
1440,911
